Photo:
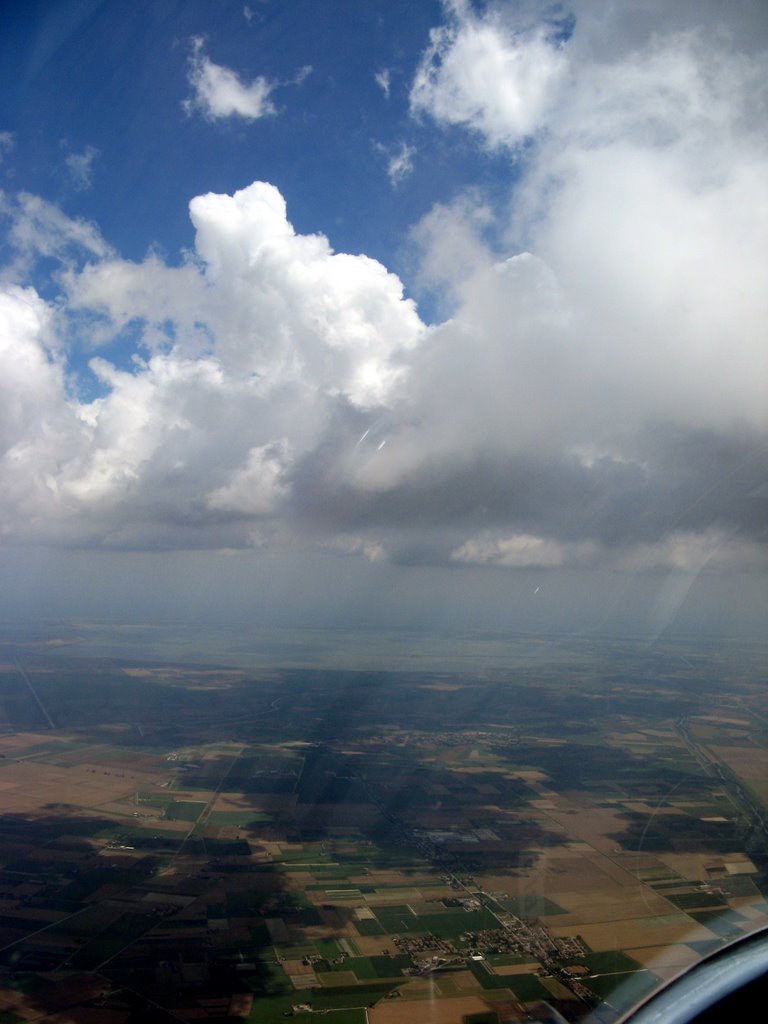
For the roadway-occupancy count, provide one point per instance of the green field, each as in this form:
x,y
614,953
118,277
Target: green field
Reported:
x,y
185,810
623,991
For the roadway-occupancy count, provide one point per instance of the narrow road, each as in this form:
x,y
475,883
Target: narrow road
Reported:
x,y
740,797
33,691
51,924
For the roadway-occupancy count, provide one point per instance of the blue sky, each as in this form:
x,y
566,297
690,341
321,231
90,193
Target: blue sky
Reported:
x,y
114,77
458,304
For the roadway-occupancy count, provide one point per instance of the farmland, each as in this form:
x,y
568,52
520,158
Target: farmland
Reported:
x,y
291,830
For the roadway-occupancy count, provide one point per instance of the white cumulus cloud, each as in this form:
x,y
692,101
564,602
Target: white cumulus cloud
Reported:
x,y
257,488
247,354
39,229
483,74
218,92
522,551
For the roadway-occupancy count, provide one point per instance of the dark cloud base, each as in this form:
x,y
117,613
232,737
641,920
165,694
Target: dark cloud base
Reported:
x,y
675,480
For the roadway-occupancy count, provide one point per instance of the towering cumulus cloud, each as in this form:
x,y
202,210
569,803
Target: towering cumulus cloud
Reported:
x,y
246,355
620,366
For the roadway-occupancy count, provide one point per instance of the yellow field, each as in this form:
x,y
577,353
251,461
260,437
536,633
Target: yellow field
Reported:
x,y
261,802
30,785
373,945
571,871
424,1011
751,763
582,820
658,957
637,932
506,969
609,904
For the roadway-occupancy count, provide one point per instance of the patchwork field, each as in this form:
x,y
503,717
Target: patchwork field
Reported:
x,y
373,847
